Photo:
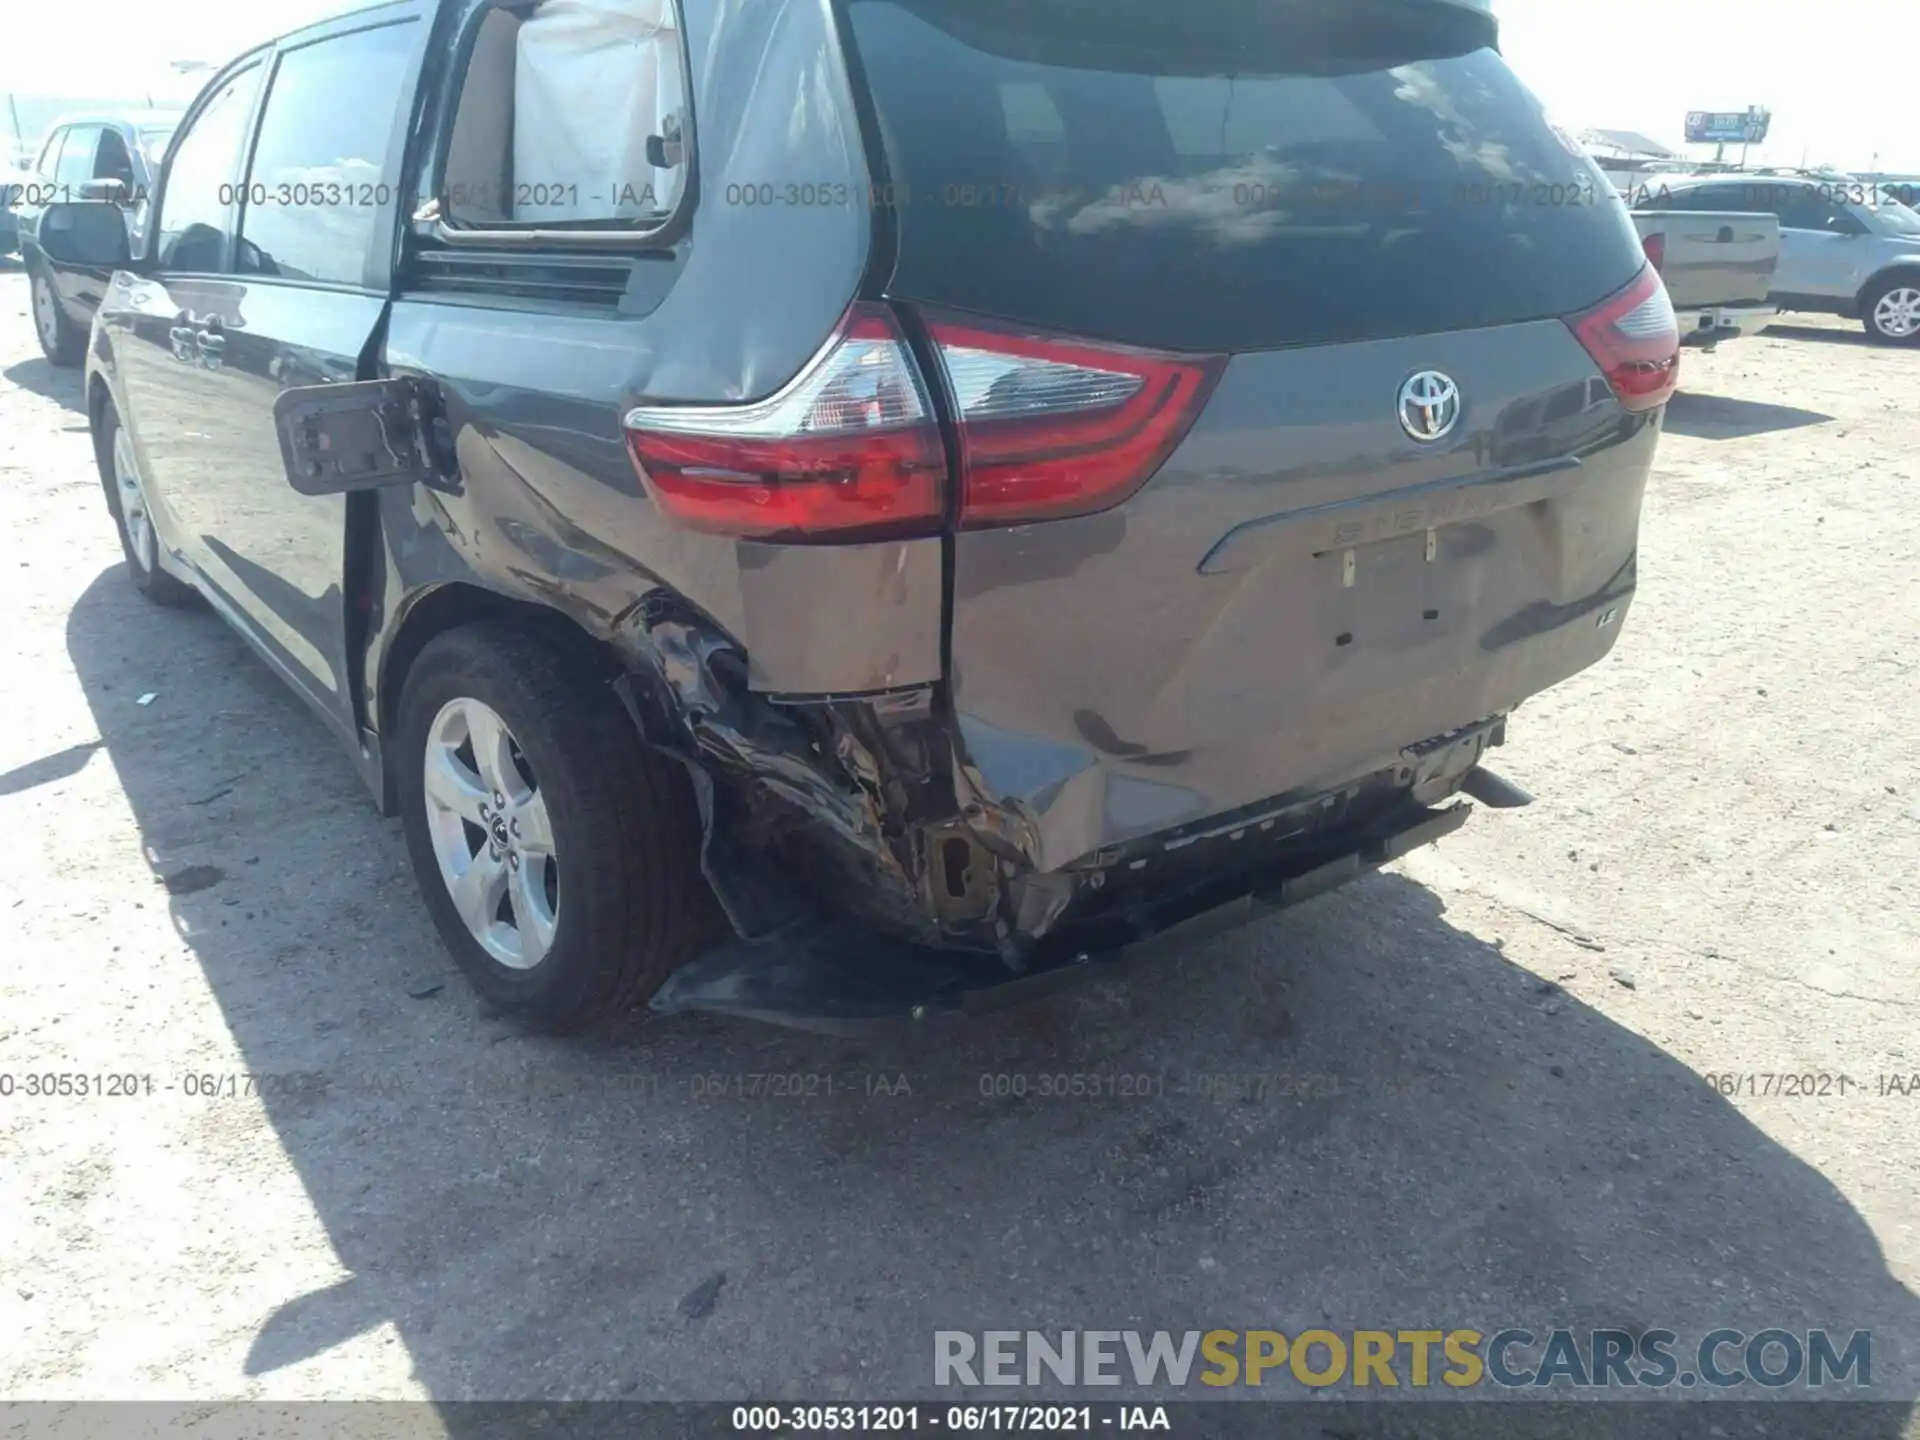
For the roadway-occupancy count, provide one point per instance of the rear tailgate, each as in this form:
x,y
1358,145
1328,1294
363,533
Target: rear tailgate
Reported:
x,y
1713,258
1302,590
1316,203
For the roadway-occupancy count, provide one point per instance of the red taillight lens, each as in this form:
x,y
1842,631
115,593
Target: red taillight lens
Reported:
x,y
849,444
1656,248
1051,427
1635,340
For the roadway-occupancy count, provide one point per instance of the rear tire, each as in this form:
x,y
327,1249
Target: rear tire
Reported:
x,y
133,517
1891,313
62,341
591,914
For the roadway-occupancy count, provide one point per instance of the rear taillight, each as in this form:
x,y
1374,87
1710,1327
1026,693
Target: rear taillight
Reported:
x,y
849,444
1635,340
1656,248
1051,427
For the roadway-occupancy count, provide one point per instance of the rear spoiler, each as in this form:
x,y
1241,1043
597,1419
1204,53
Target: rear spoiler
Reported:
x,y
1103,34
1478,7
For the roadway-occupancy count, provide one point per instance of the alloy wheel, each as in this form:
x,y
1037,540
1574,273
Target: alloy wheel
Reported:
x,y
1897,315
491,833
46,312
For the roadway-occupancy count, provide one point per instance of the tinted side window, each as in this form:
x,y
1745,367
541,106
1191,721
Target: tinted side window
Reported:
x,y
316,184
1657,194
76,158
196,203
49,159
1845,220
1740,199
1651,195
1800,207
111,161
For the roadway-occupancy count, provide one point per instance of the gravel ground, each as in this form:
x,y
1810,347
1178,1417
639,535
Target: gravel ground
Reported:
x,y
1467,1092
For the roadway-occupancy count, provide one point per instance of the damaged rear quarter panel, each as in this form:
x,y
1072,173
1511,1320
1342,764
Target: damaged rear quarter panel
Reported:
x,y
547,508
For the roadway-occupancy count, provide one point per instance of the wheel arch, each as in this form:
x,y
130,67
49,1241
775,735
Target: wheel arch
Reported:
x,y
447,605
100,399
34,263
99,396
1908,270
102,379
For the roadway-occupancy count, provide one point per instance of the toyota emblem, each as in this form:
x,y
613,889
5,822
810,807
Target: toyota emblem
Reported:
x,y
1429,405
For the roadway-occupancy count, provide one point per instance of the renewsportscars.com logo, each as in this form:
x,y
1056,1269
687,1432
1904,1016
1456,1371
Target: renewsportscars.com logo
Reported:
x,y
1417,1359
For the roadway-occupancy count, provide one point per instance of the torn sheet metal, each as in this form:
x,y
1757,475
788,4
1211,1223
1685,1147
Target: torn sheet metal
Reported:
x,y
867,876
826,794
841,979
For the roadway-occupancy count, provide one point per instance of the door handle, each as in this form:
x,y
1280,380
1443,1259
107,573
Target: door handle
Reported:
x,y
180,335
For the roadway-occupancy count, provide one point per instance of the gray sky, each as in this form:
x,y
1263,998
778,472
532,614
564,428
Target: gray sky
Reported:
x,y
1836,74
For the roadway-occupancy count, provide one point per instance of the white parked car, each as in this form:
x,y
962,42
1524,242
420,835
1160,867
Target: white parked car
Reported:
x,y
1848,247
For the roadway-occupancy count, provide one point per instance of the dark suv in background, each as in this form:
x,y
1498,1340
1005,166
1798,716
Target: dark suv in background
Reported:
x,y
973,485
110,158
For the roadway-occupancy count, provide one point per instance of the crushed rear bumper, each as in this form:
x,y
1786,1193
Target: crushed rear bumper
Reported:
x,y
844,978
866,881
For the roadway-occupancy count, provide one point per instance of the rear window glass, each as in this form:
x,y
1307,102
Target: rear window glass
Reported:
x,y
1229,174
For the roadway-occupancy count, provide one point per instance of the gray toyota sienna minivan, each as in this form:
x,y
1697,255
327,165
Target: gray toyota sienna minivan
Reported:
x,y
887,503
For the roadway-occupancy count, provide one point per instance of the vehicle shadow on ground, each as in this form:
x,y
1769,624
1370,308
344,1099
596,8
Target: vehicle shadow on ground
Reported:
x,y
45,378
48,768
1354,1115
1826,334
1722,417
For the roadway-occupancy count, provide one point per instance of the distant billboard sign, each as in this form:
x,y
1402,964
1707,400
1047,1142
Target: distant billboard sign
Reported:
x,y
1728,127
